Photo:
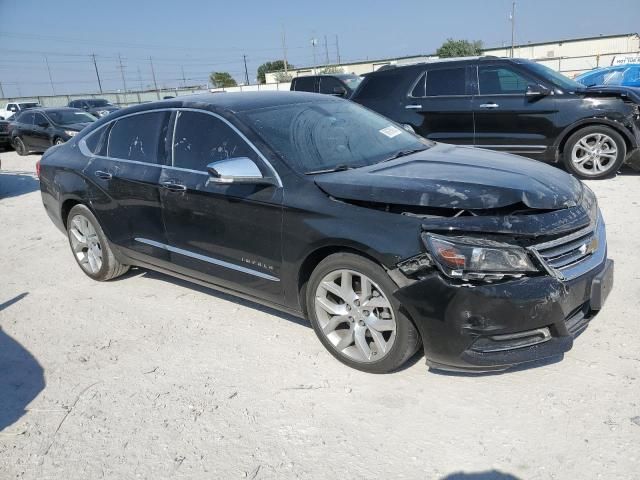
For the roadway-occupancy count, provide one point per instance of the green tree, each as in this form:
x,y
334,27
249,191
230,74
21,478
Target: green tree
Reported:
x,y
274,66
222,79
459,48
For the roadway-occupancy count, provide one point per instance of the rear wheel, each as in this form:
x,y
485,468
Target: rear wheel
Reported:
x,y
90,246
58,141
20,147
351,308
594,152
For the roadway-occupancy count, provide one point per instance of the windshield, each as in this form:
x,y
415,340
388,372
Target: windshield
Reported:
x,y
325,135
69,117
559,79
98,103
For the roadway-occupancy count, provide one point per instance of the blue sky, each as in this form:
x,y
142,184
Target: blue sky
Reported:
x,y
201,36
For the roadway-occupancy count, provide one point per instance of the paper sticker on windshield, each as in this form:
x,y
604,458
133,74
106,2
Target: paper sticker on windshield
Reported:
x,y
390,131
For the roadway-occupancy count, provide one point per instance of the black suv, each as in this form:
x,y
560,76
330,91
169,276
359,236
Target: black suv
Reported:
x,y
510,105
340,85
97,107
315,205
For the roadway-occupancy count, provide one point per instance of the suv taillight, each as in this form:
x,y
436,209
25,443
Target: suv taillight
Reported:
x,y
38,168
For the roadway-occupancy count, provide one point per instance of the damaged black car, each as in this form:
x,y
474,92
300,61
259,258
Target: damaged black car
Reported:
x,y
387,242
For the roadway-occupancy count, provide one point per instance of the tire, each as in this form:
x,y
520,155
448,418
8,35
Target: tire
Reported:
x,y
350,334
594,152
57,141
90,246
20,147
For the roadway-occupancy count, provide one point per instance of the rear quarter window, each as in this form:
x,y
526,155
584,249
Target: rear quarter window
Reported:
x,y
305,84
377,87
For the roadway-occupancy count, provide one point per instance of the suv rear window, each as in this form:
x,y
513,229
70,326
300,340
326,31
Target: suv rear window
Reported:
x,y
446,81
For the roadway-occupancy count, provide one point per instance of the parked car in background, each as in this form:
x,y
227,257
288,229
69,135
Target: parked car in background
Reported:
x,y
37,129
5,137
339,84
510,105
319,207
97,107
627,75
12,108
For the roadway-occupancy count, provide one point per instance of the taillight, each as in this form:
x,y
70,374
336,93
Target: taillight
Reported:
x,y
38,168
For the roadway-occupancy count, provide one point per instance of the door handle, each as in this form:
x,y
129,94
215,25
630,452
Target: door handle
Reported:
x,y
413,106
489,105
103,175
174,187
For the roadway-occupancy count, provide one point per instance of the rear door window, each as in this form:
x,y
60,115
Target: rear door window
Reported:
x,y
495,80
305,84
139,137
446,82
26,118
201,139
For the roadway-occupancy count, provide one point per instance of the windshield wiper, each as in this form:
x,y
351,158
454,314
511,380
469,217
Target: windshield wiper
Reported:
x,y
403,153
338,168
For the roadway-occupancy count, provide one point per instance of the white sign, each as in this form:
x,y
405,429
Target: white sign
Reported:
x,y
624,59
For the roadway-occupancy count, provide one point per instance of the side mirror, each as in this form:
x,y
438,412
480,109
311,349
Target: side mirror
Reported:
x,y
340,91
237,170
534,90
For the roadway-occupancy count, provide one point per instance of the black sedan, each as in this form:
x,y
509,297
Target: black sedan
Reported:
x,y
37,129
314,205
98,107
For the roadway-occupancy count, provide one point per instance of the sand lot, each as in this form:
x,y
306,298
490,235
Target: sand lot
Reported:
x,y
151,377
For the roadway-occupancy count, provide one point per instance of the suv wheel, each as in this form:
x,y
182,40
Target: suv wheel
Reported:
x,y
594,152
90,246
20,147
351,308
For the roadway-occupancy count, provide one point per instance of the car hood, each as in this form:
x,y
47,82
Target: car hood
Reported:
x,y
632,93
447,176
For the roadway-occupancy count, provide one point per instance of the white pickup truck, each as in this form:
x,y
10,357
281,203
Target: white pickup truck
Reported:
x,y
8,109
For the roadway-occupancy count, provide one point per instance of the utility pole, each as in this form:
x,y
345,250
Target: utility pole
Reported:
x,y
513,27
95,65
153,74
50,78
337,50
284,50
140,79
246,72
124,82
326,51
1,91
314,42
184,80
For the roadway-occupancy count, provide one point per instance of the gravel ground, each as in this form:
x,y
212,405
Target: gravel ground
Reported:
x,y
151,377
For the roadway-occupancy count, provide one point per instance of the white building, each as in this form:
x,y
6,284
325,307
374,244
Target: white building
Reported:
x,y
571,57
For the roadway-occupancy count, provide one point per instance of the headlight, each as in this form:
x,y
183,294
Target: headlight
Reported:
x,y
477,259
71,133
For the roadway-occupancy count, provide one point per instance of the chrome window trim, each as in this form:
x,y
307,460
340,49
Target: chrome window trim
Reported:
x,y
204,258
85,150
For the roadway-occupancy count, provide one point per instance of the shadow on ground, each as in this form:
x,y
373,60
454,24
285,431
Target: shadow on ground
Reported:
x,y
21,376
13,184
488,475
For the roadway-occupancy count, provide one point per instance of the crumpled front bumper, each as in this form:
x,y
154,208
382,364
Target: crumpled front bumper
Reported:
x,y
454,319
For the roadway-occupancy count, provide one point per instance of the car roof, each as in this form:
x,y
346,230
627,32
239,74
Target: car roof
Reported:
x,y
234,102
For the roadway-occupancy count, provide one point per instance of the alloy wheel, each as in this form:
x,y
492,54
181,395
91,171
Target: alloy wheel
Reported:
x,y
19,146
355,316
594,154
58,141
85,244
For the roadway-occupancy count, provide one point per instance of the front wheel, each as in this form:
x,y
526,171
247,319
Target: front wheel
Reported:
x,y
90,246
20,147
594,152
58,141
351,308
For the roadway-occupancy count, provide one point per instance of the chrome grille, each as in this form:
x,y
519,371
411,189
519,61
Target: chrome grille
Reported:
x,y
568,251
